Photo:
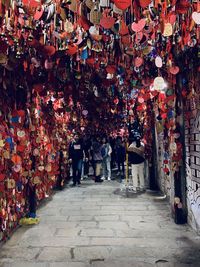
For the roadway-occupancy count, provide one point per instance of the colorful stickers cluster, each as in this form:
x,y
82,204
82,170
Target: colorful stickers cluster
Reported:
x,y
29,160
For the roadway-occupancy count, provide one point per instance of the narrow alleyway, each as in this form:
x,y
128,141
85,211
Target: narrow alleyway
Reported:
x,y
92,226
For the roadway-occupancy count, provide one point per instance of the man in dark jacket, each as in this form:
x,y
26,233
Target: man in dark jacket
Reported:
x,y
76,155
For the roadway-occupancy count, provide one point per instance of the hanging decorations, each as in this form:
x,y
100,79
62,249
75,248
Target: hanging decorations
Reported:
x,y
81,65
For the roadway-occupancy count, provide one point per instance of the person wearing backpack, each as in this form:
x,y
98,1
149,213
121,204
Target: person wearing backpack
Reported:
x,y
106,151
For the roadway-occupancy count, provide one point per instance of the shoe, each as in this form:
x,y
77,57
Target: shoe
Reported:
x,y
142,189
103,178
73,185
98,181
109,179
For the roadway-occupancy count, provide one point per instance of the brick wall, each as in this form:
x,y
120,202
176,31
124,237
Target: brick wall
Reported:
x,y
192,138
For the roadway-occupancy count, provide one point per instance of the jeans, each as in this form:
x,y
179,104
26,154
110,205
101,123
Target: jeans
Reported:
x,y
106,165
119,163
77,170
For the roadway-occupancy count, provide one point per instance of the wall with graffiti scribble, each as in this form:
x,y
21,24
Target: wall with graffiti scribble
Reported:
x,y
192,134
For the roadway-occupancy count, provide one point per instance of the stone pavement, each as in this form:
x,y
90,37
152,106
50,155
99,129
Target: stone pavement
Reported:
x,y
90,226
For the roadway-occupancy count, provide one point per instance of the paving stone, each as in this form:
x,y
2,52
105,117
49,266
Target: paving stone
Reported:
x,y
69,264
54,219
54,241
107,218
141,242
97,233
19,253
91,253
108,263
54,254
24,264
68,232
86,224
113,225
91,226
77,218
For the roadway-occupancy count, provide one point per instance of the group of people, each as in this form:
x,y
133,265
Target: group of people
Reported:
x,y
99,152
103,154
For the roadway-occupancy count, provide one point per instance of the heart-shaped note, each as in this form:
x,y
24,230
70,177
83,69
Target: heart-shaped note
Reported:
x,y
122,4
158,62
138,27
123,28
174,70
107,22
138,62
144,3
196,17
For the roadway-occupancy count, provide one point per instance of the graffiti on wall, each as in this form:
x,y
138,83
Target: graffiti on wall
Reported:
x,y
193,170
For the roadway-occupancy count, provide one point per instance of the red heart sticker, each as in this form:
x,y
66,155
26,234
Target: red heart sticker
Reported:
x,y
38,14
49,50
31,3
137,27
122,4
107,22
2,177
144,3
72,50
111,69
174,70
172,18
138,62
123,29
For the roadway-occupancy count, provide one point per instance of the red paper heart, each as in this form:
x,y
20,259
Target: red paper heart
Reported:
x,y
38,14
124,28
122,4
31,3
137,27
2,177
84,23
107,22
111,69
72,50
172,18
38,87
138,62
144,3
174,70
49,50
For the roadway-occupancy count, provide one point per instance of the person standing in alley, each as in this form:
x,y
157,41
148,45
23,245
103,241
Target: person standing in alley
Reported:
x,y
97,158
106,163
76,156
120,155
136,158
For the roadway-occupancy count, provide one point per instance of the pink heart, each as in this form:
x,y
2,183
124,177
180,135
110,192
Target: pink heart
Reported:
x,y
174,70
172,18
138,61
137,27
196,17
38,14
